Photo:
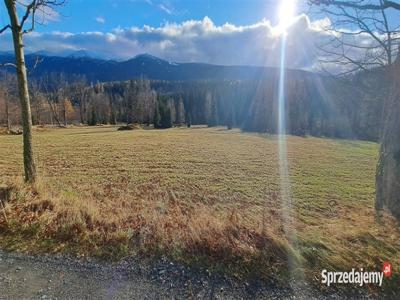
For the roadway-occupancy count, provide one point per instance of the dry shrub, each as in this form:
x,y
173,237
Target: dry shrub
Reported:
x,y
156,222
3,131
12,131
198,232
43,128
129,127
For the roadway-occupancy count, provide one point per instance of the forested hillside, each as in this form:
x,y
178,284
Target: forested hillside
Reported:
x,y
316,105
145,65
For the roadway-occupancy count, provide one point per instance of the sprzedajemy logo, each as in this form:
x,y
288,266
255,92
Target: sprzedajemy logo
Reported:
x,y
359,277
387,269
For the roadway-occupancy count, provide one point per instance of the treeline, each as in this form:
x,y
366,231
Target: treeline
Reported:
x,y
315,105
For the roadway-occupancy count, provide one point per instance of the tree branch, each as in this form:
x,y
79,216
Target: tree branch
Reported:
x,y
9,65
5,28
31,6
385,4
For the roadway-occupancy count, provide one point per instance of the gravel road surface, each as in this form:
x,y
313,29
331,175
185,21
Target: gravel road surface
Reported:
x,y
24,276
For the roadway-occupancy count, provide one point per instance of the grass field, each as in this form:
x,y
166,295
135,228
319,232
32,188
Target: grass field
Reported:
x,y
205,196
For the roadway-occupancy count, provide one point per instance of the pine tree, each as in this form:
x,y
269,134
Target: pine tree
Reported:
x,y
156,119
166,120
93,118
113,118
188,120
229,119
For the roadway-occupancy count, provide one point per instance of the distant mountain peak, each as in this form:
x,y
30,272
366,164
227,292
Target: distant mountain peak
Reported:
x,y
147,56
81,54
7,52
67,54
143,65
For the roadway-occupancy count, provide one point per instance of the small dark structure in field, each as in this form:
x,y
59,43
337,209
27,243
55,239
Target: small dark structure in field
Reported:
x,y
129,127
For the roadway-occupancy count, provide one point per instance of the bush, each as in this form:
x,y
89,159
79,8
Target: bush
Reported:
x,y
162,114
92,120
129,127
16,132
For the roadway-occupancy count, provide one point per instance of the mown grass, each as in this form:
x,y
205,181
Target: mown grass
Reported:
x,y
205,196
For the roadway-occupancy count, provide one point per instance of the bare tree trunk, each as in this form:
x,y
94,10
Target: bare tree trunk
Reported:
x,y
81,112
82,103
6,95
388,168
29,161
64,114
7,115
38,114
112,115
54,113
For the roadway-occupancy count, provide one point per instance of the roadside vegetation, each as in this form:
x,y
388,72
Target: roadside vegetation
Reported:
x,y
204,196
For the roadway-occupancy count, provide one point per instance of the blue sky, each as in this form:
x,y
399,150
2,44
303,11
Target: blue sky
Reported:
x,y
225,32
106,15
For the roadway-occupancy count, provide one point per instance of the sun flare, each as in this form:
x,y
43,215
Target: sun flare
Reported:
x,y
286,14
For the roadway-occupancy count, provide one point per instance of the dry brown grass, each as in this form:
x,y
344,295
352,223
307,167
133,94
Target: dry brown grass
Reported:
x,y
3,130
203,196
155,221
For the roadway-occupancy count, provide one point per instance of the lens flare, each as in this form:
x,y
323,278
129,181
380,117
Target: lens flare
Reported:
x,y
286,14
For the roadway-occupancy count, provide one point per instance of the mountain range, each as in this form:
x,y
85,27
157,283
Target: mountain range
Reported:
x,y
144,65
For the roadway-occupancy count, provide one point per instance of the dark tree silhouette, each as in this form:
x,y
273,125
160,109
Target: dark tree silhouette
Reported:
x,y
370,17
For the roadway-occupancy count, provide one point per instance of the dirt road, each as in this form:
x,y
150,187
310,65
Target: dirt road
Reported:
x,y
59,277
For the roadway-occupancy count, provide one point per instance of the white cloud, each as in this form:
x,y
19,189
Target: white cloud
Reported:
x,y
165,9
100,20
164,6
45,15
194,41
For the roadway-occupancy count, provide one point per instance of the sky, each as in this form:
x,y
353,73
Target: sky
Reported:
x,y
106,15
227,32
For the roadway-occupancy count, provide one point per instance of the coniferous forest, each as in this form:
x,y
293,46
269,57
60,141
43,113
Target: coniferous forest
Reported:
x,y
317,105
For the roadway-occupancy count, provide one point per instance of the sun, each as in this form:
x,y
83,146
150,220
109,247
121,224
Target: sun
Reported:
x,y
286,14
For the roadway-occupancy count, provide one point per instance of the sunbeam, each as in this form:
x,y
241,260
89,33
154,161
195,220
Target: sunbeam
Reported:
x,y
286,14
